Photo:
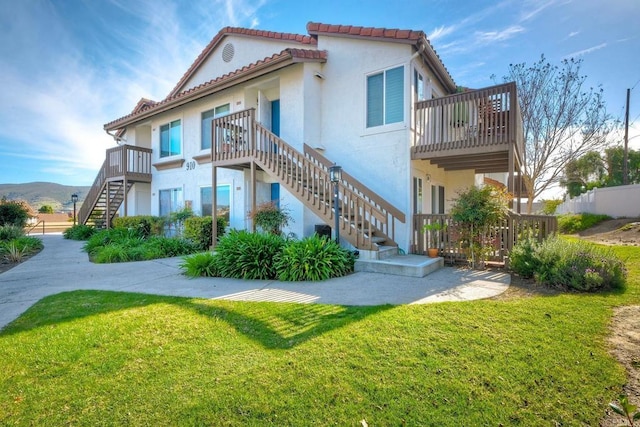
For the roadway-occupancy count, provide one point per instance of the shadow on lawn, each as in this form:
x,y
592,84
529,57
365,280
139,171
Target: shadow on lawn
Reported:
x,y
281,327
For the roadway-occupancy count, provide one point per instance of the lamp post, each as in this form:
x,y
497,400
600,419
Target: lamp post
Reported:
x,y
335,175
74,199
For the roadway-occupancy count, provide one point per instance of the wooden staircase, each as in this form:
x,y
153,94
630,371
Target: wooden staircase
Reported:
x,y
123,167
365,219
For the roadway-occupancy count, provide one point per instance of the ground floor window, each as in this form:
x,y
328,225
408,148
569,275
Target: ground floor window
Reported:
x,y
223,201
170,201
417,195
437,199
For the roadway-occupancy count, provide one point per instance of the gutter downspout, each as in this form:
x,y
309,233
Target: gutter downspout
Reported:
x,y
116,138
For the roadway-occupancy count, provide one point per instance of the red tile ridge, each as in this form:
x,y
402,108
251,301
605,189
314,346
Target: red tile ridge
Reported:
x,y
315,28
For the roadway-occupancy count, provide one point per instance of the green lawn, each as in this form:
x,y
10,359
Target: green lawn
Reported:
x,y
106,358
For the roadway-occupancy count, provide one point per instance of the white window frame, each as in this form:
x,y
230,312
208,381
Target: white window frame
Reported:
x,y
177,200
170,123
216,114
385,126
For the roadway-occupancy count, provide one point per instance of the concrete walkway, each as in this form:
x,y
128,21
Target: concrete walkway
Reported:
x,y
63,266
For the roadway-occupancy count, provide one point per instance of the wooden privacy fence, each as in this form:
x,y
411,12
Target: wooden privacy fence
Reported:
x,y
500,237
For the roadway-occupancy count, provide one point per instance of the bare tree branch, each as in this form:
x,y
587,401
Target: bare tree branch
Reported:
x,y
562,120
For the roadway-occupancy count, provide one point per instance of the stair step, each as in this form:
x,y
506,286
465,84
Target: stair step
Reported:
x,y
401,265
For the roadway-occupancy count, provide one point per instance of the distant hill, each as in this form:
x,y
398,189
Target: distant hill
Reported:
x,y
45,193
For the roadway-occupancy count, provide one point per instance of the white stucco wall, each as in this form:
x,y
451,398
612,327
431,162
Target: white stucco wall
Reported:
x,y
323,105
246,51
191,176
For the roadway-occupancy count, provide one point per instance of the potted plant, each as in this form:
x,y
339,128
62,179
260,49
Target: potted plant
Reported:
x,y
434,231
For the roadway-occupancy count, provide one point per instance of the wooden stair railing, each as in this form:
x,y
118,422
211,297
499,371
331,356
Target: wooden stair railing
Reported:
x,y
123,164
365,224
391,212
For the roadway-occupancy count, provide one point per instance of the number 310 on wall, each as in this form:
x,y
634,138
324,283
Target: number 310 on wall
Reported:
x,y
191,165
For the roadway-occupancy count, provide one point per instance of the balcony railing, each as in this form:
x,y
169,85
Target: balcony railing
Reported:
x,y
123,162
470,120
500,237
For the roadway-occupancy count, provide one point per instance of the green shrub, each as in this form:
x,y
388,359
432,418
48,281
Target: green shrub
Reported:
x,y
147,225
244,255
13,212
111,253
574,223
31,244
270,218
170,246
198,230
203,264
313,258
577,265
16,249
79,232
550,206
129,244
10,232
105,237
523,259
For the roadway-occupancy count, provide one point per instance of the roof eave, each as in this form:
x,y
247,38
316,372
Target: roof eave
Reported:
x,y
431,57
259,70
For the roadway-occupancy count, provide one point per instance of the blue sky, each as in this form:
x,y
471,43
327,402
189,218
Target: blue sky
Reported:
x,y
69,66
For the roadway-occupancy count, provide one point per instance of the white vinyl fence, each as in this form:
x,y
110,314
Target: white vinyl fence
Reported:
x,y
621,201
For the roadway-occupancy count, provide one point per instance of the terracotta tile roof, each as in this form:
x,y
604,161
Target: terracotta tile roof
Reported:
x,y
417,38
284,58
315,28
298,38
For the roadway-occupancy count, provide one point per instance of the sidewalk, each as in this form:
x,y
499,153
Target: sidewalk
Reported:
x,y
62,266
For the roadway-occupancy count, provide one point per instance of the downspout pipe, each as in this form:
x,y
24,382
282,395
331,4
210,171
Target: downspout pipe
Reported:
x,y
115,137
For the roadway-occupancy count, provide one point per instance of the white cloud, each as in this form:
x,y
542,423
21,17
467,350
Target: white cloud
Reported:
x,y
441,32
59,90
538,7
486,37
573,34
585,51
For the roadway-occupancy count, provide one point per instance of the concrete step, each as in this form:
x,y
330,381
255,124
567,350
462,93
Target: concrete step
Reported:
x,y
401,265
386,252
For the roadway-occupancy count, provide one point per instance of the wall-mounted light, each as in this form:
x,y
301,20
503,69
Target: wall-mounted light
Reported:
x,y
319,75
428,177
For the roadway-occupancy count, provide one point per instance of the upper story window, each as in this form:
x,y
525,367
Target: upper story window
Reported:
x,y
385,97
170,139
418,86
207,116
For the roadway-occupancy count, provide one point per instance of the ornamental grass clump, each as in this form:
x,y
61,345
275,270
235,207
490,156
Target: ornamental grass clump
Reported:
x,y
79,232
203,264
10,232
123,245
244,255
579,266
313,258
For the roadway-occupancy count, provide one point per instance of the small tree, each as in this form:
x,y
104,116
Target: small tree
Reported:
x,y
45,209
474,211
14,212
584,173
562,120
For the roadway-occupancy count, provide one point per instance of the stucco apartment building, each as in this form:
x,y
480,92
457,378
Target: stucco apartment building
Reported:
x,y
262,116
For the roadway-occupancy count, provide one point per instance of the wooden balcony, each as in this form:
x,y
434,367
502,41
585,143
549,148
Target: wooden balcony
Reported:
x,y
479,130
